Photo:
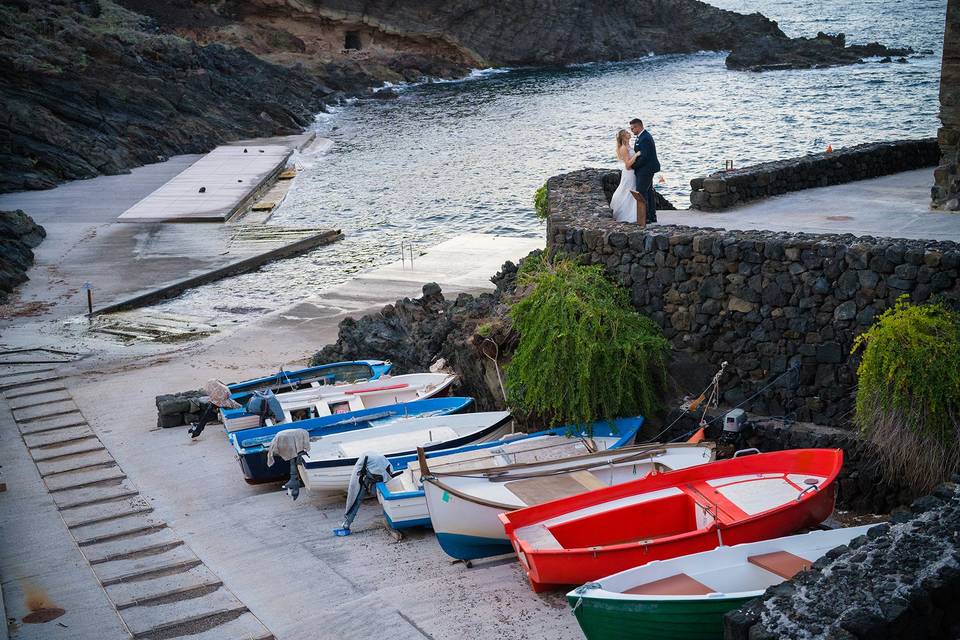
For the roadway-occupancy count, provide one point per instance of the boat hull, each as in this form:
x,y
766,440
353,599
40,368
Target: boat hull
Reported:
x,y
253,459
331,476
613,619
552,570
587,556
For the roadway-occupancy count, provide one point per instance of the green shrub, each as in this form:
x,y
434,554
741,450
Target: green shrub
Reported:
x,y
908,390
540,202
584,354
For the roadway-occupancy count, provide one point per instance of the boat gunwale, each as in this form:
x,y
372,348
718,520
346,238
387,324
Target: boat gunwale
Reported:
x,y
599,592
332,463
497,505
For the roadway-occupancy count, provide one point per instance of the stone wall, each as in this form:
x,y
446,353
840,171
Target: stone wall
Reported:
x,y
946,189
897,581
177,409
728,188
766,302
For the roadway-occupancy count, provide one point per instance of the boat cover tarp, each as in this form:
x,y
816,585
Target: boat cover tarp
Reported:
x,y
288,444
265,404
370,469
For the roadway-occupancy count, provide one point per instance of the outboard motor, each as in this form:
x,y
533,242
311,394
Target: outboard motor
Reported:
x,y
734,424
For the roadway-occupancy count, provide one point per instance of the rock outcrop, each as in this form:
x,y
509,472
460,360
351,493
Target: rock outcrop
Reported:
x,y
19,234
415,333
771,52
898,581
90,88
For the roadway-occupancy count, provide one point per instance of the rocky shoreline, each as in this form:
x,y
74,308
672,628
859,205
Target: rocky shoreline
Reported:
x,y
770,53
19,235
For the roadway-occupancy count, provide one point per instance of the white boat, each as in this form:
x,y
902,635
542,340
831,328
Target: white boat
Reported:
x,y
326,400
402,498
687,596
328,466
464,504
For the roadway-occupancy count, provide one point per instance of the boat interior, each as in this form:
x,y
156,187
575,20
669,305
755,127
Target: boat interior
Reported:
x,y
691,507
341,374
318,401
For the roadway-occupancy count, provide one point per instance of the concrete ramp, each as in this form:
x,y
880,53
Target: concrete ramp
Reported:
x,y
230,177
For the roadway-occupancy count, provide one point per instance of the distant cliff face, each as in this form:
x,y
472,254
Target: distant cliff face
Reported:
x,y
405,39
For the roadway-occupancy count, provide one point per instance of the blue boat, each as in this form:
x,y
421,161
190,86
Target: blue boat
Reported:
x,y
251,444
402,498
333,373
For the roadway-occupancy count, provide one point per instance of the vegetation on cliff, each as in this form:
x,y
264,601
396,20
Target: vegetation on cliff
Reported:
x,y
540,202
908,390
584,354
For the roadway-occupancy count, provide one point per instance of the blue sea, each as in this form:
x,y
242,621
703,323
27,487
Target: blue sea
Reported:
x,y
454,157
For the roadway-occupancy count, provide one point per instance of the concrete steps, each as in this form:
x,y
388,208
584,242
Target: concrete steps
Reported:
x,y
160,588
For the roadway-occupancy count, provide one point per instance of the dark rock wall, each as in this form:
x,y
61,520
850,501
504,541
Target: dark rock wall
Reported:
x,y
728,188
89,88
19,235
532,32
766,302
414,333
898,581
946,188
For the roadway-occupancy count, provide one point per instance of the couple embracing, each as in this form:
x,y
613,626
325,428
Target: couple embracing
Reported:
x,y
635,193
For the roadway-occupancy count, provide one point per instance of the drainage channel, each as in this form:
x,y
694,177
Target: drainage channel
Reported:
x,y
159,587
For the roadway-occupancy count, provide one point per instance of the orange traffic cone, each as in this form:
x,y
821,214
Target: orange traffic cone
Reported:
x,y
661,180
698,436
829,148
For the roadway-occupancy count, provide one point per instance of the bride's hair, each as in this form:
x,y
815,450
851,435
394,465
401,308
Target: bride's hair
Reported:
x,y
623,136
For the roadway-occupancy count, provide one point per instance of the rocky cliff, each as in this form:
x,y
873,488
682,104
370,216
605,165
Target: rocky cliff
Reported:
x,y
91,88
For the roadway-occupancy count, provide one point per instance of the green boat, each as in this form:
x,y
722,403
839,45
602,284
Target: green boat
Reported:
x,y
686,598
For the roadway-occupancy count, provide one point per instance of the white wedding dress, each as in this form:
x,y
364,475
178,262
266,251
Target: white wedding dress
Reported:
x,y
623,203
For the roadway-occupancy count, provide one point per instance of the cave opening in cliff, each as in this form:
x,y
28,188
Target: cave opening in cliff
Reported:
x,y
351,41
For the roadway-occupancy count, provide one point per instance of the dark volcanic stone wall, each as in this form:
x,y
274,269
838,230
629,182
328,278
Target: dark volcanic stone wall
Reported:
x,y
946,189
727,188
766,302
899,581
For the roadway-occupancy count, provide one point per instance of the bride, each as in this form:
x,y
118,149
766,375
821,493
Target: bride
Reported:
x,y
623,203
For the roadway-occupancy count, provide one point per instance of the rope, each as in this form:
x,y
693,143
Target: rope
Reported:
x,y
792,369
496,364
713,388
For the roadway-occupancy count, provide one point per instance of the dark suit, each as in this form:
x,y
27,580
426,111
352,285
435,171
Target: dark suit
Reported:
x,y
644,169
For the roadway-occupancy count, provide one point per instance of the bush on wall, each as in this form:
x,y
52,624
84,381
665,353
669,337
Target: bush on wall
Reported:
x,y
540,202
584,354
908,391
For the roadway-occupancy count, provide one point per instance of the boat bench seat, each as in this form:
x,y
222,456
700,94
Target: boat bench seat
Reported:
x,y
678,585
539,537
781,563
539,490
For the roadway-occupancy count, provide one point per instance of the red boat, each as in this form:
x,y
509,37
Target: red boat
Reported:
x,y
583,537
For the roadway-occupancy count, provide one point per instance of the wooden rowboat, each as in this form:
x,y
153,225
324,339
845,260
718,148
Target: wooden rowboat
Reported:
x,y
341,399
311,377
402,498
581,538
686,597
464,504
251,444
328,466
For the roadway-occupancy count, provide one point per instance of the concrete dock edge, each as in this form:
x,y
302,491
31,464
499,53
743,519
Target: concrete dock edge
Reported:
x,y
235,268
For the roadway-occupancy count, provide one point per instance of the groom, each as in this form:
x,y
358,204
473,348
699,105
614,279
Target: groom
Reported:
x,y
645,166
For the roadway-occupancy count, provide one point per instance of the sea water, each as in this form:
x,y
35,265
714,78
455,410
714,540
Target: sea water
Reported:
x,y
454,157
